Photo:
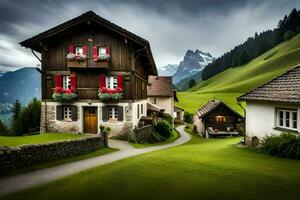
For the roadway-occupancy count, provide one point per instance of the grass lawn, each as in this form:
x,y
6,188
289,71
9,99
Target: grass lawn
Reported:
x,y
53,163
37,139
200,169
174,136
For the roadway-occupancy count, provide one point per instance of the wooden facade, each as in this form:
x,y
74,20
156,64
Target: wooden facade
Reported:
x,y
221,118
130,56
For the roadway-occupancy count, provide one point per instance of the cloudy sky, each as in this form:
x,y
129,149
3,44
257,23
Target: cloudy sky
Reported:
x,y
172,27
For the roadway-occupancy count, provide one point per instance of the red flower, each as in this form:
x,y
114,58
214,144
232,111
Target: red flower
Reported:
x,y
59,89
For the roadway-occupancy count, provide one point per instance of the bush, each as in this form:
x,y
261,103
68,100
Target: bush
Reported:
x,y
167,117
188,117
285,145
164,128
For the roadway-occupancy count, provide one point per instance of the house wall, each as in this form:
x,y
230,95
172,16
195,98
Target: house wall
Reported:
x,y
164,103
199,125
261,119
124,127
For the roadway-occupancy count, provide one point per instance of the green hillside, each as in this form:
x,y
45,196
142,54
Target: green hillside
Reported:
x,y
233,82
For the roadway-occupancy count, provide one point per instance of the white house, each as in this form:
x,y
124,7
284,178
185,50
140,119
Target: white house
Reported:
x,y
273,107
160,93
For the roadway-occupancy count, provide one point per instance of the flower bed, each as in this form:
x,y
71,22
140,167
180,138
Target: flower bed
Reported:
x,y
62,95
110,95
74,57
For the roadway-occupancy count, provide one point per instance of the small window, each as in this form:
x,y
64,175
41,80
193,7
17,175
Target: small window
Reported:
x,y
66,82
102,53
113,113
220,119
79,51
142,109
287,119
138,111
111,82
67,112
154,101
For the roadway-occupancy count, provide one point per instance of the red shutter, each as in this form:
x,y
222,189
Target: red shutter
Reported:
x,y
120,81
102,81
73,80
85,50
95,52
107,51
71,49
58,80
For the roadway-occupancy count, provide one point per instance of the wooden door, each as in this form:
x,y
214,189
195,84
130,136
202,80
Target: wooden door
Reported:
x,y
90,120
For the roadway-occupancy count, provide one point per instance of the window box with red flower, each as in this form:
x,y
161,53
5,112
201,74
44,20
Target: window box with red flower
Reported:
x,y
77,56
111,88
101,54
65,88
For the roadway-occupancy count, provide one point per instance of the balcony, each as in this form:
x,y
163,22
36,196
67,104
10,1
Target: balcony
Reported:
x,y
87,63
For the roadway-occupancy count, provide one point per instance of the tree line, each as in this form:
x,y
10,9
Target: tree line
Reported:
x,y
254,46
24,120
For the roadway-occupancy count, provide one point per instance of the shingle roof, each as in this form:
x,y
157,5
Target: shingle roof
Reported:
x,y
285,88
210,106
160,86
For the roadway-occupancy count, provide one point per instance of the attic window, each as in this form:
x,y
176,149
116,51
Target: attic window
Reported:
x,y
220,119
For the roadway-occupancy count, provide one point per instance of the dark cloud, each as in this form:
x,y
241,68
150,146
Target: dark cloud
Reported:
x,y
172,27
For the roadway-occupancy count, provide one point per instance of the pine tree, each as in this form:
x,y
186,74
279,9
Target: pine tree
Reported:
x,y
3,128
16,118
192,83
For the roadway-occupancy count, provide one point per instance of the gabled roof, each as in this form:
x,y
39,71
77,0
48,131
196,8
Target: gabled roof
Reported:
x,y
211,106
284,88
160,86
92,17
177,109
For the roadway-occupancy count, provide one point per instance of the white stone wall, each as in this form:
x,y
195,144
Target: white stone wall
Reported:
x,y
117,127
261,119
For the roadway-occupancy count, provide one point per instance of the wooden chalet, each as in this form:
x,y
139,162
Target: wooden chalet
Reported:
x,y
93,73
217,119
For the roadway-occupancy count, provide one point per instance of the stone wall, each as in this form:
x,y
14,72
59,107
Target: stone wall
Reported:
x,y
47,117
25,155
143,134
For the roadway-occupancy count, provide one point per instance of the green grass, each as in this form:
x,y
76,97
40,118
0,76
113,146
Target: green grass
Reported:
x,y
174,136
201,169
233,82
53,163
37,139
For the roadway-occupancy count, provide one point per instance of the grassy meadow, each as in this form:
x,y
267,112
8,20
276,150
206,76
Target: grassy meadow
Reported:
x,y
233,82
201,169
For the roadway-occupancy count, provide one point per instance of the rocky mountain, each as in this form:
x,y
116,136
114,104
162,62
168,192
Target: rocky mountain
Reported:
x,y
167,70
22,84
193,63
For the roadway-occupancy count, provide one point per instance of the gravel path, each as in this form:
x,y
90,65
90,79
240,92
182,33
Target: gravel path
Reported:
x,y
23,181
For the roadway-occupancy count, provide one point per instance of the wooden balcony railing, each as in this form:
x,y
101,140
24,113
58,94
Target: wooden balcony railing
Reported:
x,y
87,63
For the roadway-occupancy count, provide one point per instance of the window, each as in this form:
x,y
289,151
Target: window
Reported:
x,y
67,112
142,109
113,113
79,51
287,119
66,82
220,119
154,100
111,82
102,53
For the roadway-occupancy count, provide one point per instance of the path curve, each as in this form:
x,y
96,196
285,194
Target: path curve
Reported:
x,y
23,181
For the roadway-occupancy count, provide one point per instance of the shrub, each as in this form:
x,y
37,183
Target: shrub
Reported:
x,y
188,117
285,145
288,35
164,128
167,117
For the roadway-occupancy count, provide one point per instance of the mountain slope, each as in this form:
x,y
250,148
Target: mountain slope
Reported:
x,y
232,82
193,62
22,84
